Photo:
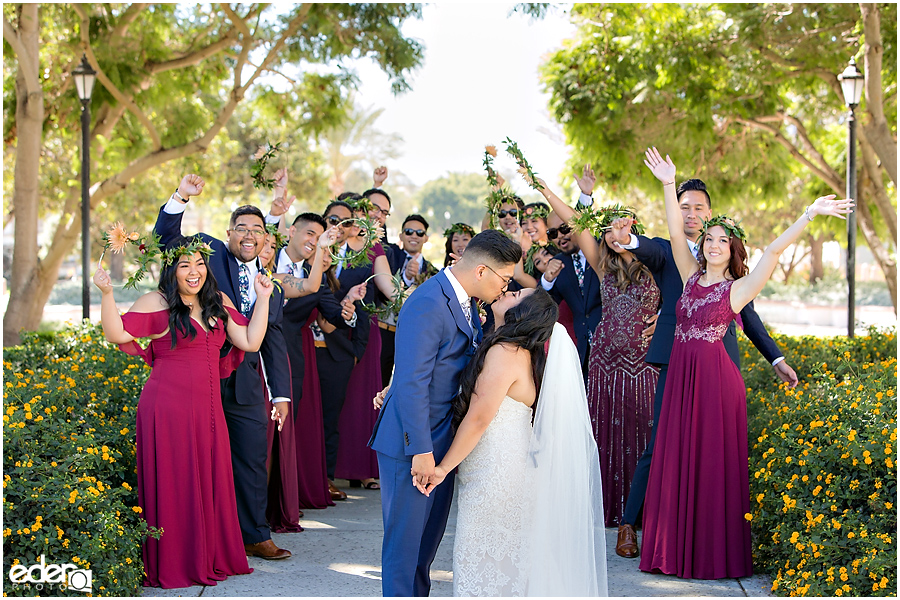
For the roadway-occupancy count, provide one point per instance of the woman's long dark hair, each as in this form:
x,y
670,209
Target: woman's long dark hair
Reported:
x,y
179,312
527,325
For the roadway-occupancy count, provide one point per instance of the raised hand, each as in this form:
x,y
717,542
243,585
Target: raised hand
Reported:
x,y
621,230
828,206
102,281
281,179
553,269
379,176
330,236
664,170
191,185
263,286
281,204
500,181
587,180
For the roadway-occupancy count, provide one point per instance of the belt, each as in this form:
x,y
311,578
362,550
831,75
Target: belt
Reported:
x,y
321,344
386,326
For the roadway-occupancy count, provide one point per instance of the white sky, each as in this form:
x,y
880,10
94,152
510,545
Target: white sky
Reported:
x,y
478,84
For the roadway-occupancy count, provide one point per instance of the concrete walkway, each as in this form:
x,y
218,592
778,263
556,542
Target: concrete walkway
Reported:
x,y
339,554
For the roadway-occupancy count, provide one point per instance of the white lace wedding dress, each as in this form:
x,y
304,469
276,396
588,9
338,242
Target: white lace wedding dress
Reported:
x,y
530,509
494,502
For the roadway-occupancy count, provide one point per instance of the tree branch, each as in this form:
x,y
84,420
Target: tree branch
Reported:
x,y
246,45
807,143
26,63
292,28
883,142
110,87
195,57
829,176
131,13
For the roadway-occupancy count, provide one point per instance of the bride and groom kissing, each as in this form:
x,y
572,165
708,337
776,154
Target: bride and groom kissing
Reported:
x,y
530,500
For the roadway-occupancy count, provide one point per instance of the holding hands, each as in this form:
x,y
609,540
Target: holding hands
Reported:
x,y
435,480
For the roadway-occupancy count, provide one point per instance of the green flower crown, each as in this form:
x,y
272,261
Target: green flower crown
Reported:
x,y
599,220
732,228
371,231
541,211
280,239
460,228
528,264
171,256
361,204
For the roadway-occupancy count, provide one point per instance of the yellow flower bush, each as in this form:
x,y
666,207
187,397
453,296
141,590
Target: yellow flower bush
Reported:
x,y
821,468
69,463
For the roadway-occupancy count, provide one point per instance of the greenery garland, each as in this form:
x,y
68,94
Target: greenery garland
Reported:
x,y
597,221
524,168
528,264
499,195
541,211
149,250
732,228
386,310
262,157
281,240
460,228
371,231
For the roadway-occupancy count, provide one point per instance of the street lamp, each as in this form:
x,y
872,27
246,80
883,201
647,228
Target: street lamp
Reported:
x,y
84,77
852,86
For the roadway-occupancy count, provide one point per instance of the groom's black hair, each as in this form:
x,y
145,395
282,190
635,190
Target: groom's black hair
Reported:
x,y
495,247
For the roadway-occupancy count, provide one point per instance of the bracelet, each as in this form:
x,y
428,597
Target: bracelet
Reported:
x,y
806,212
180,197
665,183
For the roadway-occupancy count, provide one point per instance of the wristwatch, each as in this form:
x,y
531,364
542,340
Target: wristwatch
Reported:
x,y
180,197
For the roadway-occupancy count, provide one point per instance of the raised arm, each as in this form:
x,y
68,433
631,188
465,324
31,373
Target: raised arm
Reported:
x,y
747,288
250,338
664,170
297,288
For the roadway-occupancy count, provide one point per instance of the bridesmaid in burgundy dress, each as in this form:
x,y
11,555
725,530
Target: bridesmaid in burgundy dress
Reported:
x,y
698,491
185,481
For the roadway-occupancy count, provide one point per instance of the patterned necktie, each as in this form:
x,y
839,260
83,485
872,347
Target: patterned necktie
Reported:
x,y
244,288
340,262
467,311
579,270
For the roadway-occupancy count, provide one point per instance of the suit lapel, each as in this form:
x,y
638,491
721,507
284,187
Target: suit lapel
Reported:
x,y
455,308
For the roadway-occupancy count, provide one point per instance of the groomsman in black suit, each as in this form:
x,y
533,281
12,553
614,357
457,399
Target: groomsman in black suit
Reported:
x,y
234,264
656,254
338,350
409,261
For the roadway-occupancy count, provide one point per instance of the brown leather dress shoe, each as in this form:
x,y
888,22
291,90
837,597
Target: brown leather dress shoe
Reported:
x,y
627,544
267,550
336,494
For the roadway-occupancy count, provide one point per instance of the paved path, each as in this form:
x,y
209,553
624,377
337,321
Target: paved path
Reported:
x,y
339,554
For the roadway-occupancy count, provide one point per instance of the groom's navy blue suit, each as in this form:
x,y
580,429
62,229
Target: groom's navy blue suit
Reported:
x,y
437,343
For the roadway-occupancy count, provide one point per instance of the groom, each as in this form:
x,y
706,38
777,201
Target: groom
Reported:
x,y
440,320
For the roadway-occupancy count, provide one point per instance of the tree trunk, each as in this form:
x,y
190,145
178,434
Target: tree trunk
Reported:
x,y
816,267
885,259
29,123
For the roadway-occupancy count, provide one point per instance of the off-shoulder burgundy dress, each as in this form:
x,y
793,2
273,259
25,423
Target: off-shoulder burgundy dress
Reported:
x,y
185,482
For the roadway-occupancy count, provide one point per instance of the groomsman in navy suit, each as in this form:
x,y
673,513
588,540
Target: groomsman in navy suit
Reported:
x,y
656,254
440,321
235,265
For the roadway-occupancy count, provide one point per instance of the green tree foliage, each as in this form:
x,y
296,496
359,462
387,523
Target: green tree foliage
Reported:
x,y
171,79
744,96
461,195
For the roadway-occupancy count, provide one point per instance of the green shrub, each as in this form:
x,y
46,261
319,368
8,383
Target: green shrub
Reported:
x,y
69,459
823,473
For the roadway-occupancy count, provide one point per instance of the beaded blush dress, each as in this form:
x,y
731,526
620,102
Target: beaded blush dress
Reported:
x,y
621,386
698,491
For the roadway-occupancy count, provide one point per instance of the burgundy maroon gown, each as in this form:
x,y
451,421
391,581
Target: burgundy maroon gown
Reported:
x,y
309,433
621,386
185,481
355,460
699,487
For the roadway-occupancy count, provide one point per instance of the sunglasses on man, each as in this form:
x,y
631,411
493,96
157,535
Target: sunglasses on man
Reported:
x,y
513,212
563,229
334,220
418,232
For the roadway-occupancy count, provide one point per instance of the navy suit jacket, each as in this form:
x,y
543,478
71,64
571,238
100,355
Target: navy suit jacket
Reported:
x,y
224,267
296,313
437,345
656,254
351,343
585,304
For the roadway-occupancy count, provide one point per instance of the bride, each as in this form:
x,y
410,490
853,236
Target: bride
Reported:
x,y
530,513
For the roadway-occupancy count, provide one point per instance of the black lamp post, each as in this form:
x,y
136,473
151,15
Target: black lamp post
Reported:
x,y
84,84
852,86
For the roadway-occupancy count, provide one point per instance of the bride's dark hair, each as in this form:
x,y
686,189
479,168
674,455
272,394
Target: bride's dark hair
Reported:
x,y
527,325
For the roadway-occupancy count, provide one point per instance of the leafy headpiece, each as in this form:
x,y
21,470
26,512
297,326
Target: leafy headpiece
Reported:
x,y
261,159
460,228
280,239
732,228
599,220
538,210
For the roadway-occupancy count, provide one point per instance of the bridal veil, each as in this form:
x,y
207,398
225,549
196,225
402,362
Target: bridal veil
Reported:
x,y
566,540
